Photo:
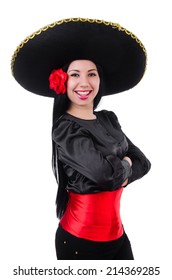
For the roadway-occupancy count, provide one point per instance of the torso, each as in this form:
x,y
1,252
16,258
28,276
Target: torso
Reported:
x,y
95,216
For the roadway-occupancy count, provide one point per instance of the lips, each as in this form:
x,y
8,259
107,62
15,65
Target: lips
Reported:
x,y
83,92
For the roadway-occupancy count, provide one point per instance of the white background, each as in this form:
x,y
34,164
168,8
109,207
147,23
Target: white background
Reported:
x,y
28,187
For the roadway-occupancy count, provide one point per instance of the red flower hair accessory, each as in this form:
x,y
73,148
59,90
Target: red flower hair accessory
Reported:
x,y
57,81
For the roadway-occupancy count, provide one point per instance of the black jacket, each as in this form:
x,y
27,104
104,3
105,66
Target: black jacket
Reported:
x,y
92,153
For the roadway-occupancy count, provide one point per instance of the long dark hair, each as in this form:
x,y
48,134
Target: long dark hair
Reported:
x,y
61,104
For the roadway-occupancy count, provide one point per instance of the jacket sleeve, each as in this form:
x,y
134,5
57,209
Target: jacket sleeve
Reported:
x,y
76,148
140,164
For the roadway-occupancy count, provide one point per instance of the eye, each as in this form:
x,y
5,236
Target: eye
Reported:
x,y
74,75
92,74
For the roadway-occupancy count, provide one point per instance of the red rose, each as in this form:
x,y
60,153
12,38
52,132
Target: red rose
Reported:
x,y
57,81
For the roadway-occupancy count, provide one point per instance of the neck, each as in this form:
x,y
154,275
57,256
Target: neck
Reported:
x,y
82,112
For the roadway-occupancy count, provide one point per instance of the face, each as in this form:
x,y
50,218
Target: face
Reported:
x,y
83,82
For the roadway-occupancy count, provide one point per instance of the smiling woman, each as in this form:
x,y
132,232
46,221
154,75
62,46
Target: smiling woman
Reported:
x,y
82,87
92,159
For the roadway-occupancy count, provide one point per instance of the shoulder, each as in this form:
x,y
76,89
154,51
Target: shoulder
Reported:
x,y
107,115
65,128
109,118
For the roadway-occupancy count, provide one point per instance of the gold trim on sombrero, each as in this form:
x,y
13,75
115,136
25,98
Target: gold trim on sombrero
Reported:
x,y
52,25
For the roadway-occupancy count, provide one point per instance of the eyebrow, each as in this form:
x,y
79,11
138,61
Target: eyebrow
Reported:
x,y
79,71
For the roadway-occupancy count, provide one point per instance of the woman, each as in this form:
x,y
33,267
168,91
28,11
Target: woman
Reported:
x,y
93,160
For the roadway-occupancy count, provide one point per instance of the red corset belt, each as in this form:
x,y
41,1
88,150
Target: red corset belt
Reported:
x,y
94,216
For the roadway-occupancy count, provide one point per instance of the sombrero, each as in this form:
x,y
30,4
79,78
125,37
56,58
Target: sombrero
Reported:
x,y
119,52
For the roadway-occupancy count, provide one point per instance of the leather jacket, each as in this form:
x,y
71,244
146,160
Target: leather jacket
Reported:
x,y
92,153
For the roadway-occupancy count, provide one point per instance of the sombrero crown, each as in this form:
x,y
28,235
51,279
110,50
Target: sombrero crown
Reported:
x,y
119,52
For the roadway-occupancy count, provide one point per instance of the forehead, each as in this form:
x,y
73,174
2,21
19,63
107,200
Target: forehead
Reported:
x,y
82,65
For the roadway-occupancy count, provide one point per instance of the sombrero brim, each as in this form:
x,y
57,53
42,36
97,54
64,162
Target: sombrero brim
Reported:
x,y
120,53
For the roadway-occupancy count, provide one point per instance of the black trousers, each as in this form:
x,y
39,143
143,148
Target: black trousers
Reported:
x,y
70,247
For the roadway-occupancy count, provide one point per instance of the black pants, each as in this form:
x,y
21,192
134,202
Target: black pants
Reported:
x,y
70,247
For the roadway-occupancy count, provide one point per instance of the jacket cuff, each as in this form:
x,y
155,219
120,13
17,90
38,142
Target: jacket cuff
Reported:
x,y
127,168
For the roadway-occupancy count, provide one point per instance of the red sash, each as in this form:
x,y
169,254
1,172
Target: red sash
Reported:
x,y
95,216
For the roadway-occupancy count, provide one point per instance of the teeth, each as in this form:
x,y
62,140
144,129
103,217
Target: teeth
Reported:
x,y
82,92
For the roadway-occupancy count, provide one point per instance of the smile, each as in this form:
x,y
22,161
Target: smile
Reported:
x,y
83,92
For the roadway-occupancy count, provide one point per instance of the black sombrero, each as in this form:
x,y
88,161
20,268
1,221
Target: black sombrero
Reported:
x,y
119,52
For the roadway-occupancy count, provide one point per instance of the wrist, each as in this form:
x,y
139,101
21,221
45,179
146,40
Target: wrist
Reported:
x,y
128,160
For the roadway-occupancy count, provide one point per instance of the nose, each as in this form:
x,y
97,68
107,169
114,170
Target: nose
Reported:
x,y
84,82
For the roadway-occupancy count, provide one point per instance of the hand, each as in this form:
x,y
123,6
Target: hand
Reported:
x,y
124,183
130,163
129,160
